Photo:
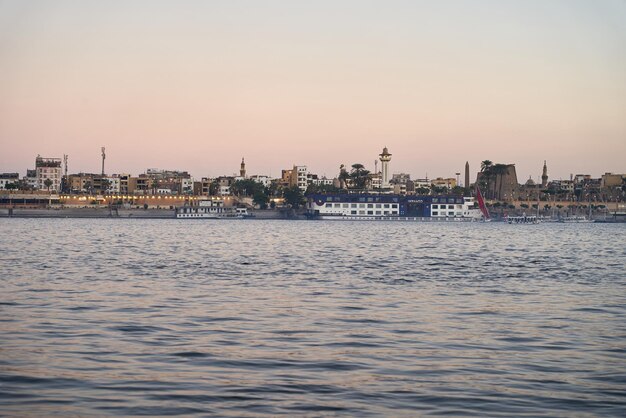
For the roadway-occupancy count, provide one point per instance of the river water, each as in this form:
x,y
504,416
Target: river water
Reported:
x,y
248,318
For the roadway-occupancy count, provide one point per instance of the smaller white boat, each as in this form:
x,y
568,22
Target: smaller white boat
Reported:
x,y
576,220
211,209
524,219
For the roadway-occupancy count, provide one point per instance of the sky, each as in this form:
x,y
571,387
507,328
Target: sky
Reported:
x,y
197,85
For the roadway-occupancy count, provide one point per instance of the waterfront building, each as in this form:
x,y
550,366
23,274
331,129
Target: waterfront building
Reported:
x,y
223,185
318,181
30,180
144,185
48,169
296,176
9,179
376,180
206,186
266,181
385,158
400,189
112,184
92,183
186,186
170,182
300,177
400,178
128,184
448,183
421,184
581,178
612,180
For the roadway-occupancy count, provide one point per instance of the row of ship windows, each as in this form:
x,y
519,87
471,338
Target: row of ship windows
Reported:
x,y
363,205
449,206
371,212
363,199
436,213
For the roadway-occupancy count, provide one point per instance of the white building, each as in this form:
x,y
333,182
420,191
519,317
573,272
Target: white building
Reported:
x,y
48,169
421,184
376,180
113,186
30,179
266,181
8,178
186,185
301,172
318,181
223,190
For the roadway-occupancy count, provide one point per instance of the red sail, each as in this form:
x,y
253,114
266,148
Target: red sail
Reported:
x,y
481,203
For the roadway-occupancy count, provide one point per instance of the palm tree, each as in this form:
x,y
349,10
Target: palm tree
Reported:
x,y
294,196
47,183
485,177
359,175
498,171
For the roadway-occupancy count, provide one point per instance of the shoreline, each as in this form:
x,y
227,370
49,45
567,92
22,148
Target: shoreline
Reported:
x,y
106,213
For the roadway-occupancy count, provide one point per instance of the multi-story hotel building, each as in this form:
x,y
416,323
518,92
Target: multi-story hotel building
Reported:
x,y
48,169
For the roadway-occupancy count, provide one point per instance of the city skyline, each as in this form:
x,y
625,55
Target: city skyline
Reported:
x,y
195,86
374,167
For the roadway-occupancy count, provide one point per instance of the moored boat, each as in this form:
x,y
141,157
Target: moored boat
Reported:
x,y
524,219
575,220
211,209
391,207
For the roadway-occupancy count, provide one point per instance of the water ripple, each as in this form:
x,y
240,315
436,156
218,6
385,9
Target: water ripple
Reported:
x,y
166,317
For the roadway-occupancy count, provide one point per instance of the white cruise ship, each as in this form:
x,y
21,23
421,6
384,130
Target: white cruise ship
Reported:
x,y
391,207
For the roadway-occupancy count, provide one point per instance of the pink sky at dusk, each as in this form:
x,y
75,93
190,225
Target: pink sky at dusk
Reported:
x,y
197,85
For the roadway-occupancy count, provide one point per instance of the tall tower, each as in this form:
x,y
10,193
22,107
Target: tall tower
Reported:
x,y
385,157
242,170
103,157
544,176
467,179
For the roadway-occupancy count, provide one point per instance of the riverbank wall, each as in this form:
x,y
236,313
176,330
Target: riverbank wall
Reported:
x,y
91,212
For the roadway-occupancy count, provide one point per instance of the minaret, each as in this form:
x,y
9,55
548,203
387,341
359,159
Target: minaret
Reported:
x,y
242,170
544,176
103,157
467,179
385,157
